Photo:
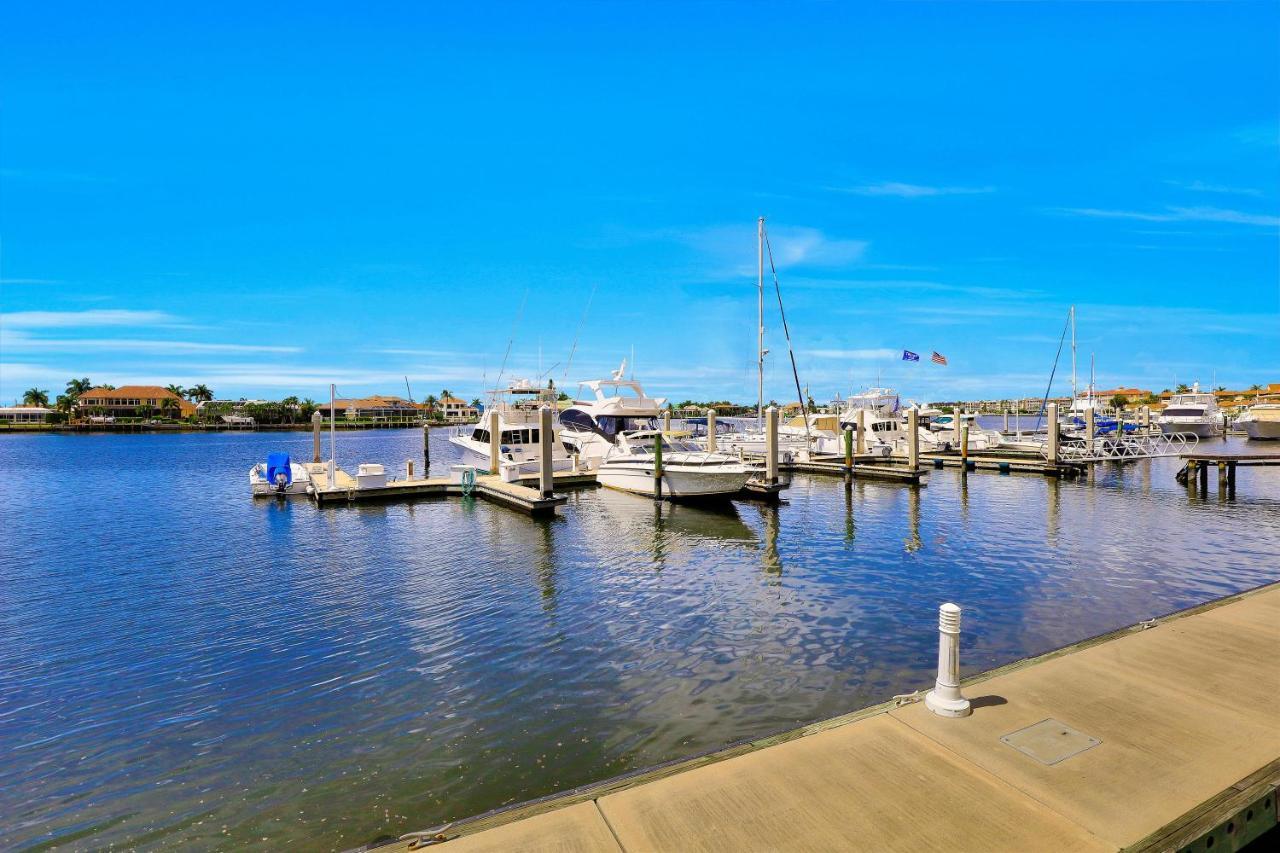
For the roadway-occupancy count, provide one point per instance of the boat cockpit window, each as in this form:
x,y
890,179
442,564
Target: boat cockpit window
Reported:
x,y
520,436
611,425
1185,413
480,435
577,420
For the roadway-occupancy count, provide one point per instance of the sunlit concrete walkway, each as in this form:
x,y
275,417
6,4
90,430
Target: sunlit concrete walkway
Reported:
x,y
1167,732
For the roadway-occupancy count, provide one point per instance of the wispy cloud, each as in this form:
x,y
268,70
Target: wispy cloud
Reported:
x,y
901,190
46,176
1202,187
93,318
854,354
18,281
1177,214
730,250
12,341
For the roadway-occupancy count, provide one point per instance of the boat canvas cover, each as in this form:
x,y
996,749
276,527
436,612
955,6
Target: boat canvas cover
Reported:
x,y
279,462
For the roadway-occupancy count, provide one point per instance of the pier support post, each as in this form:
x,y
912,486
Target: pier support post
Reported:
x,y
1231,479
862,431
666,423
711,430
945,699
1052,443
426,451
848,447
1088,427
495,442
913,440
957,417
546,442
771,445
1222,478
1204,478
1006,420
1145,418
964,447
317,420
408,469
657,469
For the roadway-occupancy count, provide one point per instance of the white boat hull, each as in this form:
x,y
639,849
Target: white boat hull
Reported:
x,y
1201,429
261,488
477,456
1262,430
693,482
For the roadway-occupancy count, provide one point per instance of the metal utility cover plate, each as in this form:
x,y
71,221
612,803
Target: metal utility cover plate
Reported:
x,y
1050,741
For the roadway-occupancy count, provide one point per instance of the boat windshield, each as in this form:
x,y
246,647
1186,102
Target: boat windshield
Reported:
x,y
644,444
611,425
1185,413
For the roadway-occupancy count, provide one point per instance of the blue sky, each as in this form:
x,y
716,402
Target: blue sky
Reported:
x,y
265,200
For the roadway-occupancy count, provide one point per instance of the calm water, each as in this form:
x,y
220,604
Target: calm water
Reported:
x,y
181,664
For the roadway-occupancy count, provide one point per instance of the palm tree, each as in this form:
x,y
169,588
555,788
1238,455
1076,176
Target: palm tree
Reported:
x,y
445,393
35,397
176,390
430,402
76,387
1182,388
199,393
1255,387
170,405
475,404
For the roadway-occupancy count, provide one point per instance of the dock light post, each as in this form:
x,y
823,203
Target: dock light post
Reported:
x,y
317,420
945,699
495,442
771,445
1052,444
711,430
546,440
913,440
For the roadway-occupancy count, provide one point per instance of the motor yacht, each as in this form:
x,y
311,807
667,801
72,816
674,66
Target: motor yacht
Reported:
x,y
1261,421
602,410
688,471
279,476
519,423
1192,413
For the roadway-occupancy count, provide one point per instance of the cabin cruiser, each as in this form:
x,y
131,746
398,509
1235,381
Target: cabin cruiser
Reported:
x,y
1261,421
688,471
519,423
1192,413
887,427
279,476
615,428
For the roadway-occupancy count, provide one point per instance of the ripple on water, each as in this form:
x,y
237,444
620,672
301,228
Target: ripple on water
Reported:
x,y
183,665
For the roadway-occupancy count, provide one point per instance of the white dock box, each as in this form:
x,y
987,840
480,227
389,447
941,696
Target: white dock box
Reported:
x,y
370,476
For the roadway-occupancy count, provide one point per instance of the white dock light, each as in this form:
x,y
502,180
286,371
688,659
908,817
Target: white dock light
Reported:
x,y
945,699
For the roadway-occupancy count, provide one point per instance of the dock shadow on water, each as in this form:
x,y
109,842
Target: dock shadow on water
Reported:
x,y
184,665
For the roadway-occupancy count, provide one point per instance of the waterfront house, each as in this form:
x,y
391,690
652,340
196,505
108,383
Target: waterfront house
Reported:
x,y
457,411
131,401
378,407
24,414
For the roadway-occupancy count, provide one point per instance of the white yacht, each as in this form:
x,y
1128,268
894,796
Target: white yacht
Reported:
x,y
887,427
519,424
279,476
615,430
687,470
1192,413
1261,421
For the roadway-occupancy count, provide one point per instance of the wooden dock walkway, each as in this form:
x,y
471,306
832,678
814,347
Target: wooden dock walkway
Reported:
x,y
521,495
863,468
1159,739
1198,464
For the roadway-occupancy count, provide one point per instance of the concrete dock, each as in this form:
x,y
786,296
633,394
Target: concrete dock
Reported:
x,y
1161,736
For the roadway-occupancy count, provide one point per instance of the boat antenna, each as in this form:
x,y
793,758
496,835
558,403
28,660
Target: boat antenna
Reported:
x,y
577,334
804,408
511,340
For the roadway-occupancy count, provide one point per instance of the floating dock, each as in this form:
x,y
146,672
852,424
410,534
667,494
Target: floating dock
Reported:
x,y
864,467
1198,465
1162,736
519,495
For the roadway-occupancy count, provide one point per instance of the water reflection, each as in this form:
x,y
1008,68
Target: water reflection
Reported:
x,y
913,542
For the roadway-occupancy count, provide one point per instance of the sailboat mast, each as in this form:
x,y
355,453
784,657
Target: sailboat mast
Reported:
x,y
760,326
1073,353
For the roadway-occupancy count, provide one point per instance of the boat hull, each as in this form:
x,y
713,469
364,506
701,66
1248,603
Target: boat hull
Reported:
x,y
677,483
477,456
261,488
1201,429
1262,430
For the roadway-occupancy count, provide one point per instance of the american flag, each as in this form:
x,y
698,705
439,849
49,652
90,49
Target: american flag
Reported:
x,y
938,358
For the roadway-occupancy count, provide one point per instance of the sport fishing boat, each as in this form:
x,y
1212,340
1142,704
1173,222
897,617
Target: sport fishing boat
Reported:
x,y
591,424
688,471
519,423
278,477
1261,421
1192,413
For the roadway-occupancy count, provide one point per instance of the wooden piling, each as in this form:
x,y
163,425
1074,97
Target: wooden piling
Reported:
x,y
546,443
711,430
495,442
426,450
317,420
657,468
913,439
771,444
957,417
862,431
1052,443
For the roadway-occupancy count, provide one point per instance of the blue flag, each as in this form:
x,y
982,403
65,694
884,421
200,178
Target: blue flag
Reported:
x,y
908,355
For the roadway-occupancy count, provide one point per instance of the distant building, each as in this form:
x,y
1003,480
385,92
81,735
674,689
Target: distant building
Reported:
x,y
456,410
24,414
125,402
377,407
